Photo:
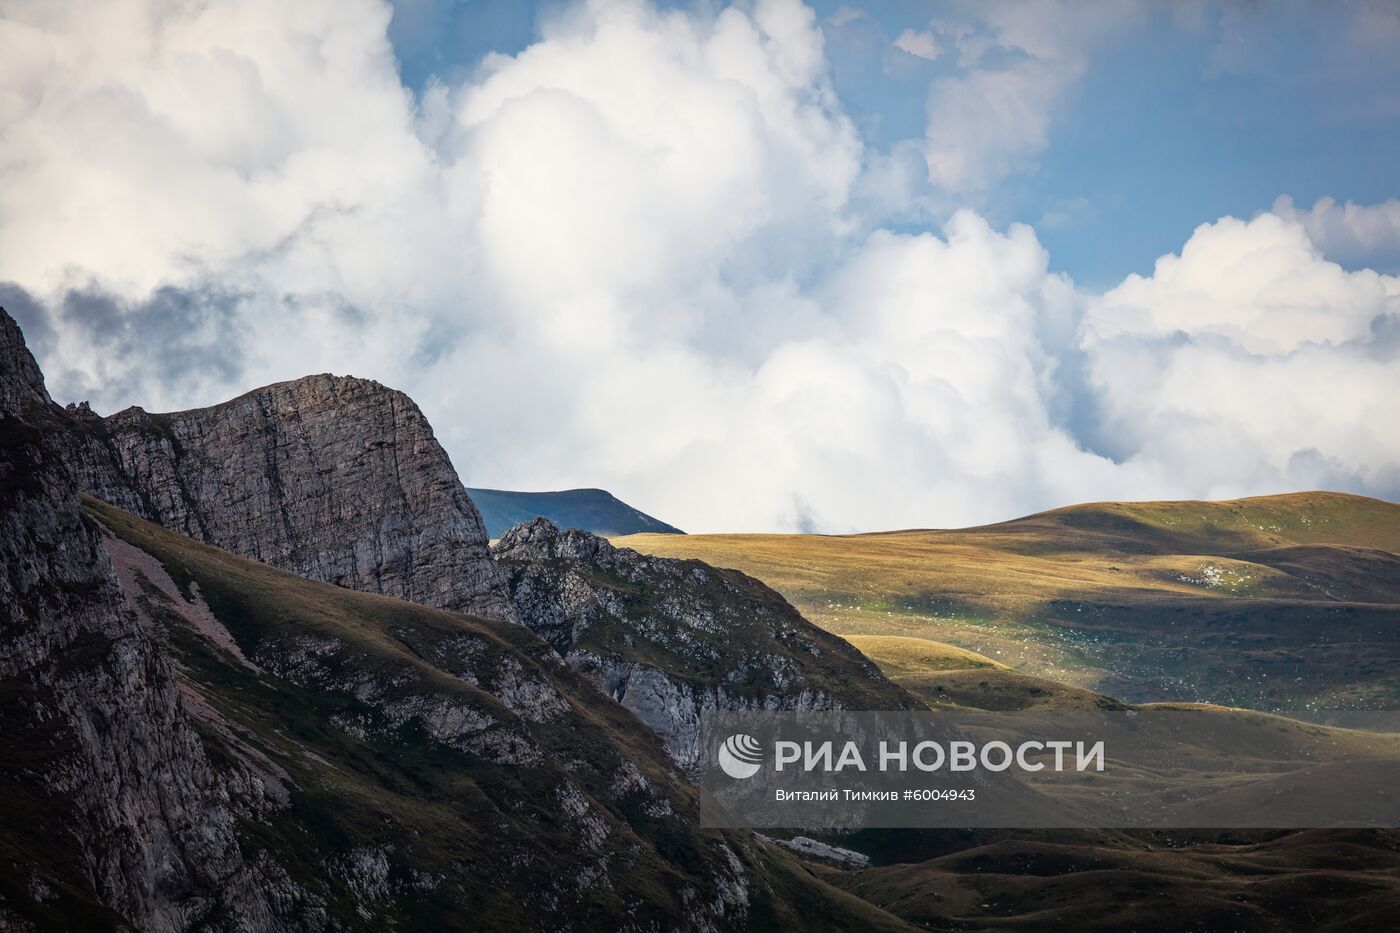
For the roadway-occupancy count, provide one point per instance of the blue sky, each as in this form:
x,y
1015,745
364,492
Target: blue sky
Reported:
x,y
750,267
1185,112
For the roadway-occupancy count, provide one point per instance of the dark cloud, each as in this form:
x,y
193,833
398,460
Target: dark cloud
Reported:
x,y
177,336
32,317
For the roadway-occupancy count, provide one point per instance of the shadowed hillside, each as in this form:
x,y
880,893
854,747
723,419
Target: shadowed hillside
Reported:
x,y
1278,602
594,510
1333,880
436,770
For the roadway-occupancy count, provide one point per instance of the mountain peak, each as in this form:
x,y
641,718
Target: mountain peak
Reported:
x,y
21,381
335,478
669,639
590,509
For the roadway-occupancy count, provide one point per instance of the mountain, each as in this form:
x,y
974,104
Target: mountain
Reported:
x,y
191,739
672,639
331,477
111,808
594,510
436,770
1277,602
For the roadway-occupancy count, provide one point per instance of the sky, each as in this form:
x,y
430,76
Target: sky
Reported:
x,y
756,267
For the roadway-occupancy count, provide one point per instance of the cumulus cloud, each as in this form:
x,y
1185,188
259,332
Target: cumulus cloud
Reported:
x,y
646,253
1348,232
1249,361
1261,285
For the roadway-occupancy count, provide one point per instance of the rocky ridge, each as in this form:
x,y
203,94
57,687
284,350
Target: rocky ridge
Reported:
x,y
672,639
330,477
99,760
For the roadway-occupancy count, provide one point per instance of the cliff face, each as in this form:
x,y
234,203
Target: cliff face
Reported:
x,y
333,478
109,807
21,382
671,639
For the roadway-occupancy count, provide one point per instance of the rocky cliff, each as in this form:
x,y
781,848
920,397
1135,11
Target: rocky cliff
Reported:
x,y
671,639
21,383
333,478
110,810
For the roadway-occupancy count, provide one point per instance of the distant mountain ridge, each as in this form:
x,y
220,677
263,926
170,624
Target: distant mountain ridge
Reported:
x,y
593,510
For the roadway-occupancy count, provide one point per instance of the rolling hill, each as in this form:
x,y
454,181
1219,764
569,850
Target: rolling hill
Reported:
x,y
594,510
1285,602
1318,880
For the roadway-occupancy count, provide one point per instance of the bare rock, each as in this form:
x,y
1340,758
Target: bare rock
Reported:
x,y
331,477
95,745
673,639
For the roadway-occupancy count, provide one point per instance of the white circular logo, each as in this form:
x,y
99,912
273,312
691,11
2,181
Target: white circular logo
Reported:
x,y
741,756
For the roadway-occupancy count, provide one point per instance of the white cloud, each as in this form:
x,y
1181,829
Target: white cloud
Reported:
x,y
644,253
920,44
844,15
987,124
1248,362
1261,285
1348,232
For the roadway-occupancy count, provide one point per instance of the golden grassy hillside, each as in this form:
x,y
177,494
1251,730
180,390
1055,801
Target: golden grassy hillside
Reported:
x,y
1272,602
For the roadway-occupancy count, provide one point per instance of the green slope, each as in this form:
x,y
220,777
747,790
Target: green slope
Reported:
x,y
504,791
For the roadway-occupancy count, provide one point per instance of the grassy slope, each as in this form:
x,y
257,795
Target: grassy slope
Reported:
x,y
482,830
1274,602
1012,596
1337,880
944,675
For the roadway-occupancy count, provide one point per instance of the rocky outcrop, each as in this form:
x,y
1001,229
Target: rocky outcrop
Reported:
x,y
333,478
823,852
110,811
672,639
